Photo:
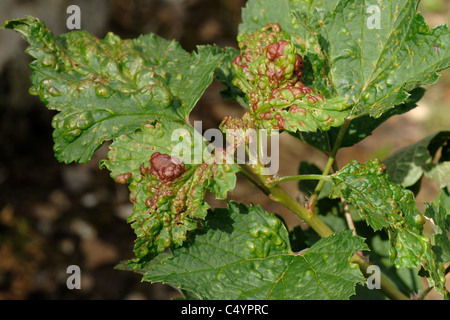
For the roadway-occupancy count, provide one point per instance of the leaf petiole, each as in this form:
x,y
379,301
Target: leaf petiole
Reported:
x,y
329,165
301,177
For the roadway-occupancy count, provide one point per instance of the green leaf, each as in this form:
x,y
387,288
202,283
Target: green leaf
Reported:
x,y
189,74
439,217
372,66
269,70
225,74
408,165
244,253
389,206
407,280
440,173
104,88
359,128
167,207
258,13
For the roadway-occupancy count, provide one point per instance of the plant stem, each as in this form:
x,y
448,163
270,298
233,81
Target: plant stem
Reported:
x,y
348,215
300,177
278,194
254,180
337,144
269,186
386,286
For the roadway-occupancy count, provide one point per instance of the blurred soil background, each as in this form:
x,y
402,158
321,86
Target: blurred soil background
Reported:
x,y
53,215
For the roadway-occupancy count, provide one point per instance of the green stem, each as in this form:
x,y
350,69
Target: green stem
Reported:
x,y
278,194
254,180
300,177
337,144
259,177
386,286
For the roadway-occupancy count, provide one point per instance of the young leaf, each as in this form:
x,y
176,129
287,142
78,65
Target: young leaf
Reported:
x,y
269,70
104,88
378,53
168,180
259,13
253,260
389,206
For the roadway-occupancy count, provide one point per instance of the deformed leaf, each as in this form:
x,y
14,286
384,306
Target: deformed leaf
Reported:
x,y
359,128
225,74
104,88
189,74
253,260
269,71
389,206
374,64
167,182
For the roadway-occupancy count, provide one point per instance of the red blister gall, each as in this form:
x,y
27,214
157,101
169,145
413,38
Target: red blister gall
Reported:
x,y
165,167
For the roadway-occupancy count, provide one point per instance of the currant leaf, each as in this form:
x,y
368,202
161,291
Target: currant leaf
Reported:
x,y
167,189
253,260
104,88
375,64
385,205
269,70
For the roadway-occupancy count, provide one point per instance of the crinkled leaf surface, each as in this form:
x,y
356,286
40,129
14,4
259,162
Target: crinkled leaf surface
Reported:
x,y
244,253
389,206
225,74
359,128
189,74
104,88
164,211
374,64
258,13
269,71
439,216
407,166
